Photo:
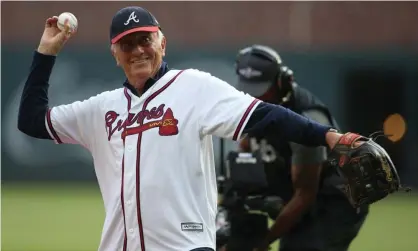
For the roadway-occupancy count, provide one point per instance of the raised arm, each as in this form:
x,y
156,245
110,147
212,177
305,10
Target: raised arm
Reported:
x,y
72,123
34,101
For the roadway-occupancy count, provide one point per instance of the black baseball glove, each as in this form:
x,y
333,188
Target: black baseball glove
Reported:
x,y
366,167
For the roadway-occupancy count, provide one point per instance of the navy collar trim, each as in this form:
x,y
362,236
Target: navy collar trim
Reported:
x,y
151,81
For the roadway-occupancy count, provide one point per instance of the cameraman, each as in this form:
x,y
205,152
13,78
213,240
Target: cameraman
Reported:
x,y
316,216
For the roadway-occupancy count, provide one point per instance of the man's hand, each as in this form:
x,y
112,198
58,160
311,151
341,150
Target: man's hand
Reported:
x,y
332,138
53,39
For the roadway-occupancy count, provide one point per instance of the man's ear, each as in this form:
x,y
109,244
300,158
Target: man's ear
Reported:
x,y
117,60
163,45
113,51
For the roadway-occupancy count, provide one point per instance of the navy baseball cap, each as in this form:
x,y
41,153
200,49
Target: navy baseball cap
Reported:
x,y
132,19
257,68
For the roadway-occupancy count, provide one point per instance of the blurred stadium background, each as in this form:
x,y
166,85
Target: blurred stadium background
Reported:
x,y
360,58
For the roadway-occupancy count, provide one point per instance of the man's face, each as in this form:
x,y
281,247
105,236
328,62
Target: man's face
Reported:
x,y
270,96
140,54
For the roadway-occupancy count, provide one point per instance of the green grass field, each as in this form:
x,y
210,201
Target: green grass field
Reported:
x,y
70,217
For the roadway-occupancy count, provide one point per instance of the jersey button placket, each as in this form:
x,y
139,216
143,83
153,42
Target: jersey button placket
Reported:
x,y
129,193
133,235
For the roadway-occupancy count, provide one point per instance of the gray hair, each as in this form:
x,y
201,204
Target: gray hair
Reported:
x,y
160,35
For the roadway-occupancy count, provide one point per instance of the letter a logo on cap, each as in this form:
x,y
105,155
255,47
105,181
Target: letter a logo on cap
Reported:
x,y
132,17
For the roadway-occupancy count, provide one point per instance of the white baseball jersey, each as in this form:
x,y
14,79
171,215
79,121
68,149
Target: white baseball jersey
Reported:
x,y
153,157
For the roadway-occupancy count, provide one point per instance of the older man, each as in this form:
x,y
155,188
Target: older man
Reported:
x,y
151,140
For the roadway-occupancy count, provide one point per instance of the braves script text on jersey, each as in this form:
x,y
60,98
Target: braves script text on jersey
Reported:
x,y
153,153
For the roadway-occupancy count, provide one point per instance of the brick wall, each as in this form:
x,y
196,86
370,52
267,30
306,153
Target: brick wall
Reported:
x,y
300,24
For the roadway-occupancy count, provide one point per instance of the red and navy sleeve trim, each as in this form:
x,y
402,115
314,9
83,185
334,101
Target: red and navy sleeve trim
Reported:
x,y
243,119
51,128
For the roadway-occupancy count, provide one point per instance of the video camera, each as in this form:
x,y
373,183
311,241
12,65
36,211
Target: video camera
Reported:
x,y
241,220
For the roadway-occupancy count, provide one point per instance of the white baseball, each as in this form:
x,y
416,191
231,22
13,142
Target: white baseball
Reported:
x,y
72,21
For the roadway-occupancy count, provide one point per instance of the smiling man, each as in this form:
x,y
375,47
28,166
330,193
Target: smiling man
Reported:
x,y
151,140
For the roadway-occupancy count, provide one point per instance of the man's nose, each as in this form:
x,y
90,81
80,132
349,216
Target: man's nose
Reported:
x,y
138,49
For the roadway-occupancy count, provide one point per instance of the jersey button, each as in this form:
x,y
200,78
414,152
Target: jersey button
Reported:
x,y
129,202
131,230
129,148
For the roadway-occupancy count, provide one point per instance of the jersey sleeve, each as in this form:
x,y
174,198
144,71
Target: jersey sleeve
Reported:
x,y
73,123
305,155
224,110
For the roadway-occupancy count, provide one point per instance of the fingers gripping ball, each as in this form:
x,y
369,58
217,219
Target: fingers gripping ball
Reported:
x,y
72,21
